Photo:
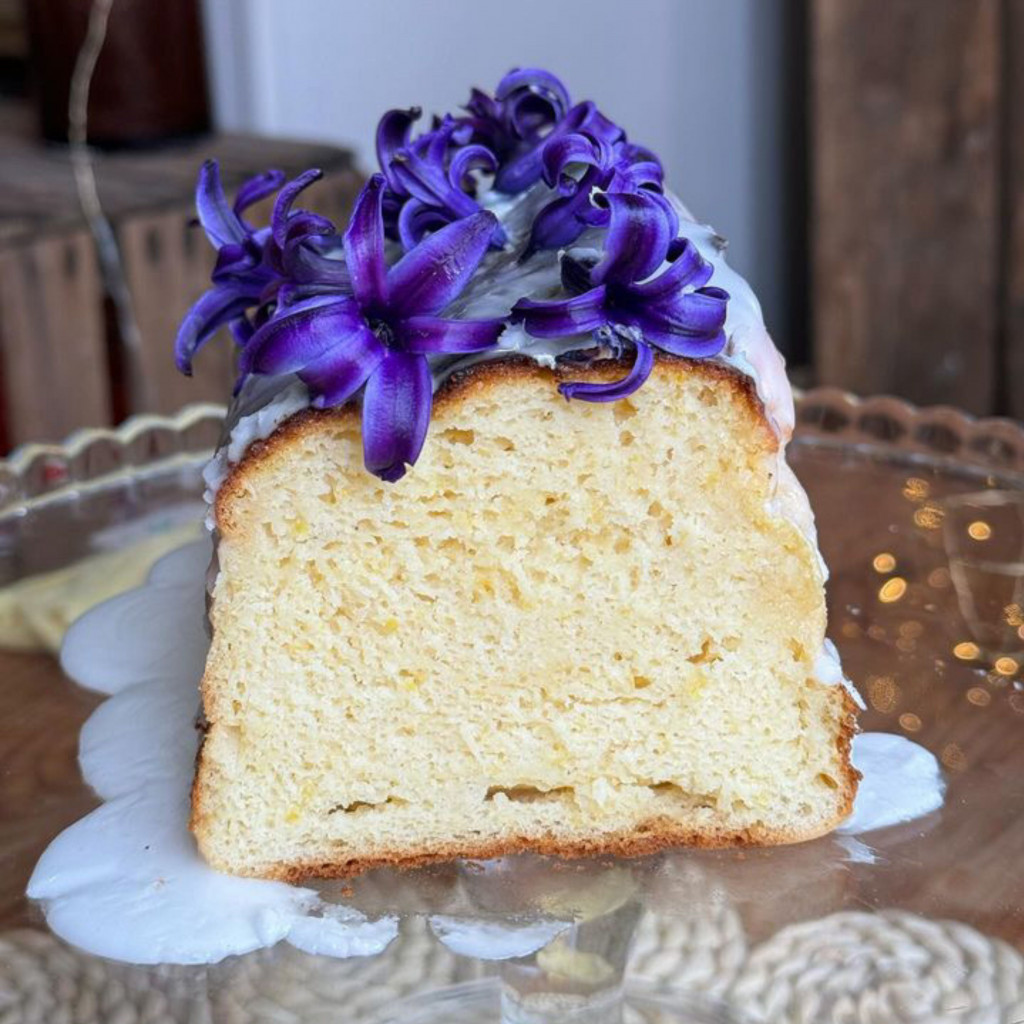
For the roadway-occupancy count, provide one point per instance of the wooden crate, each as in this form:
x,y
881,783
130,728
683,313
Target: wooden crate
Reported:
x,y
63,362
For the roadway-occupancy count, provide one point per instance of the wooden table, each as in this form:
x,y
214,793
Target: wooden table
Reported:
x,y
41,790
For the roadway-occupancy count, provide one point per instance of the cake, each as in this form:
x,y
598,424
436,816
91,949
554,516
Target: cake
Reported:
x,y
508,554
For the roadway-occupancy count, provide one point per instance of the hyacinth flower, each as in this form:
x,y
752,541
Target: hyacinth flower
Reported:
x,y
379,337
579,165
429,178
252,263
527,104
529,108
240,275
616,297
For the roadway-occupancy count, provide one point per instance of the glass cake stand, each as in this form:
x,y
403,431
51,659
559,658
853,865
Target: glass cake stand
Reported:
x,y
921,519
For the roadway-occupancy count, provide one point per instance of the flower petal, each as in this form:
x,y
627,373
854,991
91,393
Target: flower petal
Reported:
x,y
635,168
306,331
257,188
427,278
341,371
285,198
519,172
638,237
530,99
577,315
523,168
692,314
537,82
612,391
694,346
429,334
562,152
310,262
428,181
594,123
303,224
232,260
396,414
482,106
470,158
393,132
242,331
654,195
433,145
215,308
364,246
219,221
415,219
562,221
688,269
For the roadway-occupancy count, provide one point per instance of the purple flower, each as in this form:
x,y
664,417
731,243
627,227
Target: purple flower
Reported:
x,y
581,164
527,104
378,338
529,108
676,311
240,275
252,263
429,179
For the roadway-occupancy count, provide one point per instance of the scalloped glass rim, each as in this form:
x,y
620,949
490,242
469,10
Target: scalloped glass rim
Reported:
x,y
98,457
937,434
92,458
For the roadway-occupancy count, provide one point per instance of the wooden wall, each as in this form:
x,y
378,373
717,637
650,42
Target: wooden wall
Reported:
x,y
917,209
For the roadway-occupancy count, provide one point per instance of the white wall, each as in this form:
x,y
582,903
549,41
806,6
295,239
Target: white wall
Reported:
x,y
699,81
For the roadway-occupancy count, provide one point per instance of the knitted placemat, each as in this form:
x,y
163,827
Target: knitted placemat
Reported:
x,y
847,968
700,954
44,981
881,968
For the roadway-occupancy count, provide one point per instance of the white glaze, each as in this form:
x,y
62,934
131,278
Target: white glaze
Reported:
x,y
494,939
127,882
901,781
829,670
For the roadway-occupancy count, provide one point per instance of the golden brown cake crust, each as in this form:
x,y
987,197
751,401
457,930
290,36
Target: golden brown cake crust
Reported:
x,y
484,375
649,837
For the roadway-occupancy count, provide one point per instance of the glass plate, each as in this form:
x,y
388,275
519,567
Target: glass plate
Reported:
x,y
921,520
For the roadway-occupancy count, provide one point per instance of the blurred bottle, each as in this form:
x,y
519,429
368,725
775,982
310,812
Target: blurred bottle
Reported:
x,y
150,80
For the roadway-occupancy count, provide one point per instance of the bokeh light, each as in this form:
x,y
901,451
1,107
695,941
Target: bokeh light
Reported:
x,y
928,517
953,757
883,693
916,489
979,530
884,562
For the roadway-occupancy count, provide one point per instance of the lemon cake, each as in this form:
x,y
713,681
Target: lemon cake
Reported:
x,y
509,557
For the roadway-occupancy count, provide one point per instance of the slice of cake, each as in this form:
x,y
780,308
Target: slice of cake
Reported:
x,y
509,557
